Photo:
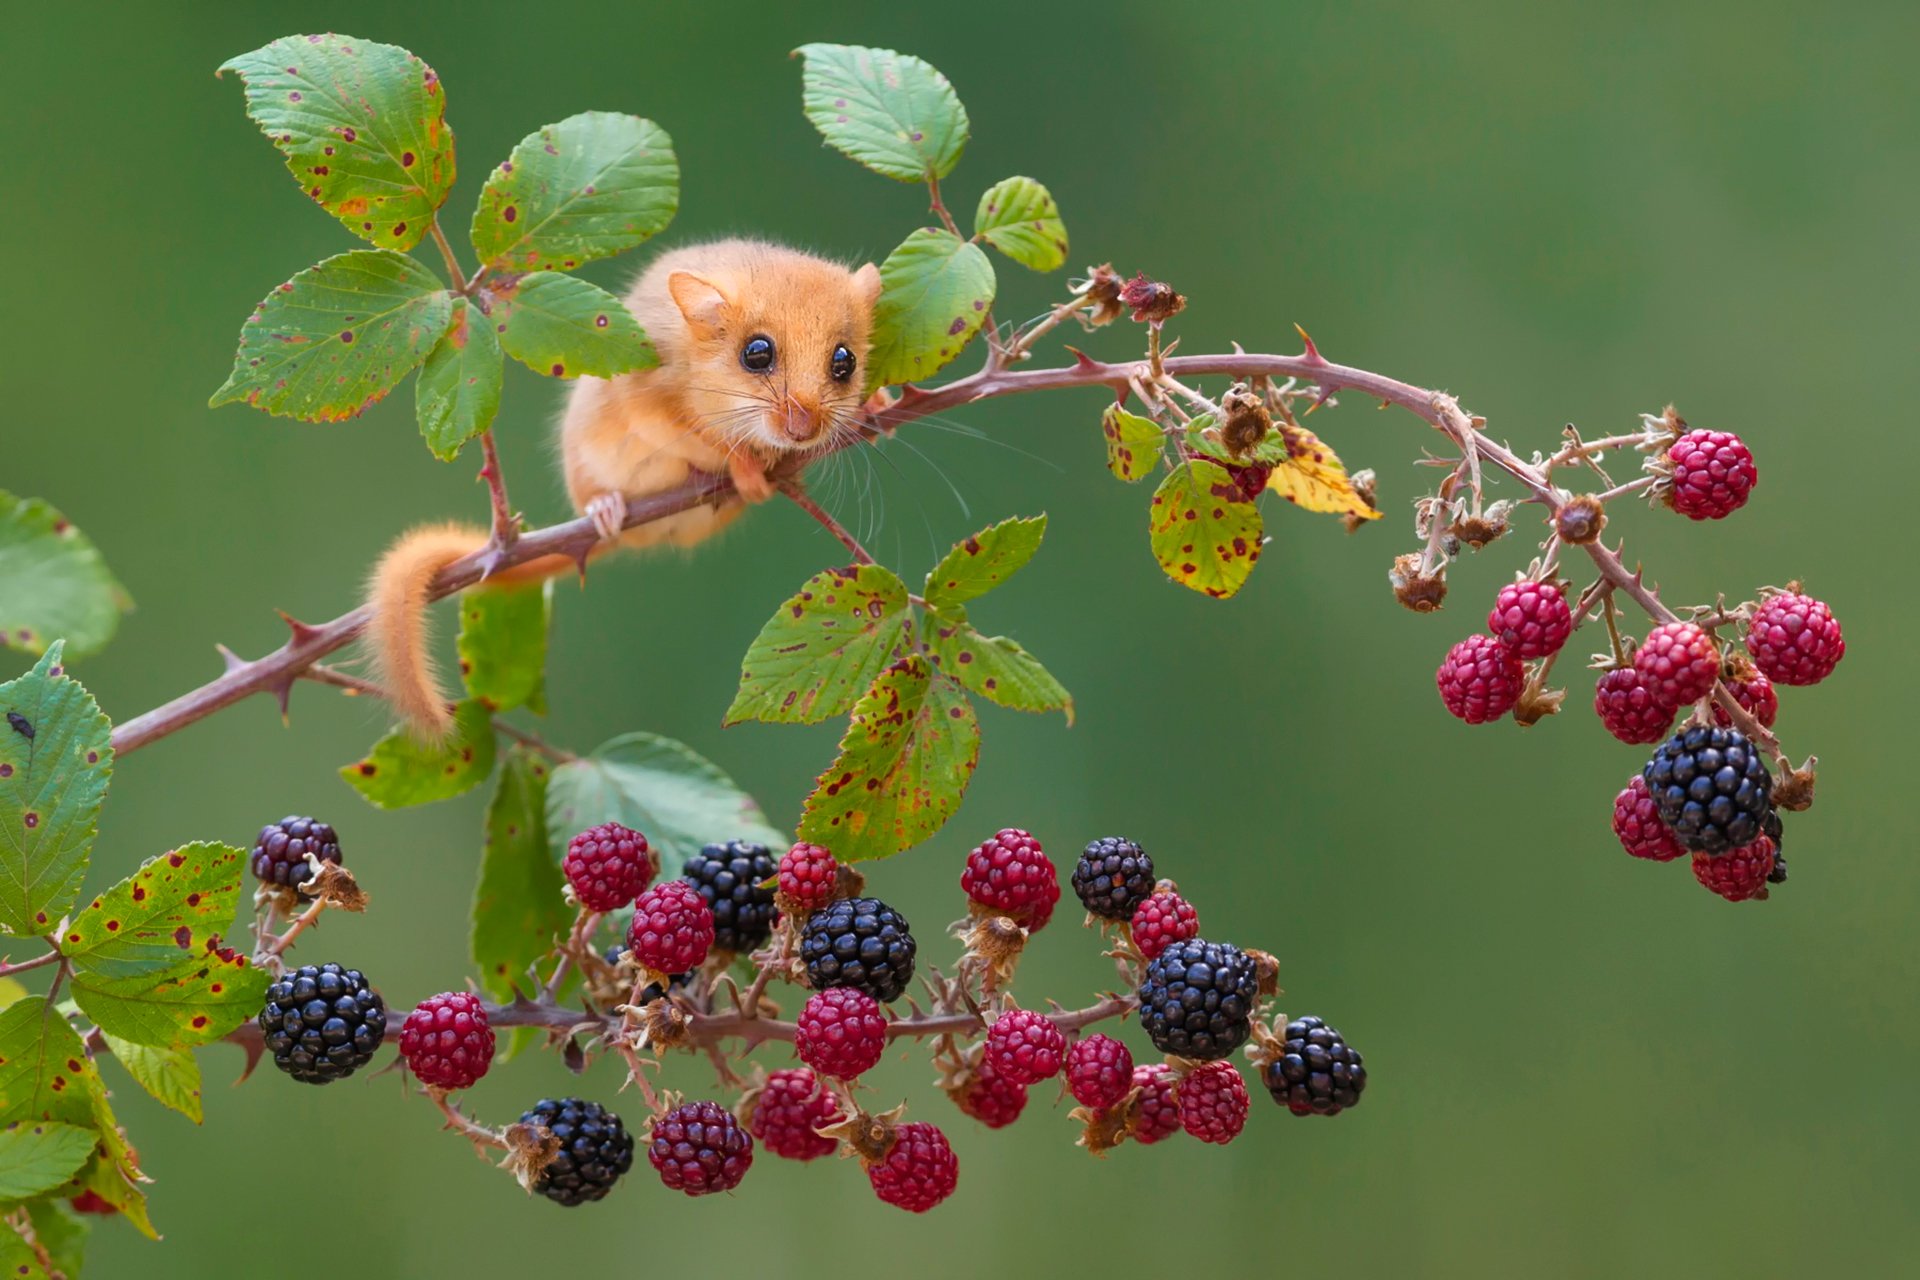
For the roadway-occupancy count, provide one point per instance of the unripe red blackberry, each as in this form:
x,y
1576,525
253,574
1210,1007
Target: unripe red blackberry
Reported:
x,y
1099,1071
1630,706
1712,472
446,1040
1480,679
841,1032
809,876
1009,874
608,866
990,1097
1532,619
1679,662
1158,1114
787,1111
1754,692
1636,821
1113,877
1163,918
919,1170
672,928
1212,1101
1739,875
700,1148
1025,1046
1794,639
280,851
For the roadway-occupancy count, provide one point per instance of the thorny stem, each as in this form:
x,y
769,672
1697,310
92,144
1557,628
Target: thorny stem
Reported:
x,y
1632,486
301,923
471,1130
505,525
799,497
8,970
355,686
1581,450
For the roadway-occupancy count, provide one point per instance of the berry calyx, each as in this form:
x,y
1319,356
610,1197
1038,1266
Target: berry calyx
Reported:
x,y
1197,999
595,1149
1794,639
861,943
1711,789
1009,875
672,928
1679,662
809,877
1025,1046
1739,875
1636,821
280,850
730,877
1113,877
1212,1101
1164,918
700,1148
1099,1071
1157,1114
1631,706
1532,619
1480,679
785,1112
1313,1071
322,1023
446,1040
608,866
1710,475
841,1032
918,1171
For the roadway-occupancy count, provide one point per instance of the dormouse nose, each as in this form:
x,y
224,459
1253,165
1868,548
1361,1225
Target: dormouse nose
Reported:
x,y
799,419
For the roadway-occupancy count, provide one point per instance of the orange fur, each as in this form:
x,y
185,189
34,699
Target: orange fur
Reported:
x,y
647,432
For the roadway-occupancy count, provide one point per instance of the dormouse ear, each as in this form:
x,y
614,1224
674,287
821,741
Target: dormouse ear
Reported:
x,y
866,284
699,300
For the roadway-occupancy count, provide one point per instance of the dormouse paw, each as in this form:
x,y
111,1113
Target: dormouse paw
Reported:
x,y
609,512
749,477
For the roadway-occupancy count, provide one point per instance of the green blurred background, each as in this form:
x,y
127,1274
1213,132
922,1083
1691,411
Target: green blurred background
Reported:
x,y
1582,1065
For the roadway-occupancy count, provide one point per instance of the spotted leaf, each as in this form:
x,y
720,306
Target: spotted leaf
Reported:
x,y
908,754
934,294
889,111
978,564
401,770
206,995
995,667
1134,444
362,127
458,391
1203,531
51,787
174,906
563,327
38,1155
1018,217
594,185
519,908
170,1074
1312,476
823,647
53,583
336,338
503,645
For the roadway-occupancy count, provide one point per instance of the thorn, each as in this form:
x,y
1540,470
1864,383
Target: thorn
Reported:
x,y
1081,360
232,660
282,691
1313,355
1239,350
303,633
492,559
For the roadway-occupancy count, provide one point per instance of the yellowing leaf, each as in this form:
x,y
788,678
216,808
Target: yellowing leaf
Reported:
x,y
1313,477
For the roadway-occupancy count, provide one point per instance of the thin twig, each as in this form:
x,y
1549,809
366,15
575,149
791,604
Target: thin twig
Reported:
x,y
800,499
8,970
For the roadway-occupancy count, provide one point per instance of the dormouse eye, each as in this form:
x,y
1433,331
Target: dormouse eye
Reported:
x,y
842,366
757,355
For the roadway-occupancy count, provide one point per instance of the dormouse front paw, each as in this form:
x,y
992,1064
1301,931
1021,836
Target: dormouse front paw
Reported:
x,y
749,477
609,512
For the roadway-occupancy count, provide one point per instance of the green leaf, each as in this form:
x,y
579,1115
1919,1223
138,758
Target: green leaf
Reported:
x,y
17,1258
207,995
362,128
332,341
1204,532
935,291
45,1074
62,1233
676,797
503,645
170,1074
53,582
909,751
1018,217
888,111
458,391
978,564
401,770
564,327
175,907
1202,438
519,908
594,185
51,789
1134,444
994,667
38,1155
823,647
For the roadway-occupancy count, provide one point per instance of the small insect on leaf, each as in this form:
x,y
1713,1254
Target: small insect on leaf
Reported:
x,y
21,725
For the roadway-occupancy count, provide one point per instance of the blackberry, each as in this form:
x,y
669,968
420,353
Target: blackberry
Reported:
x,y
861,943
1316,1073
1198,997
732,878
280,851
918,1171
1113,877
447,1041
608,866
1711,788
322,1023
595,1149
700,1148
1099,1071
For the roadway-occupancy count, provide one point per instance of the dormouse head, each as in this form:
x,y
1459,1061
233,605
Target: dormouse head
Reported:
x,y
777,346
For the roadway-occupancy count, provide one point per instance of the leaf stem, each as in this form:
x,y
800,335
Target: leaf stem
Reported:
x,y
8,970
453,263
799,497
940,209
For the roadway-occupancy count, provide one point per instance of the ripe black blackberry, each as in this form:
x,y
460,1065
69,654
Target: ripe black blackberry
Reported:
x,y
595,1149
730,877
280,851
1315,1072
1113,876
861,943
322,1023
1711,788
1198,997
